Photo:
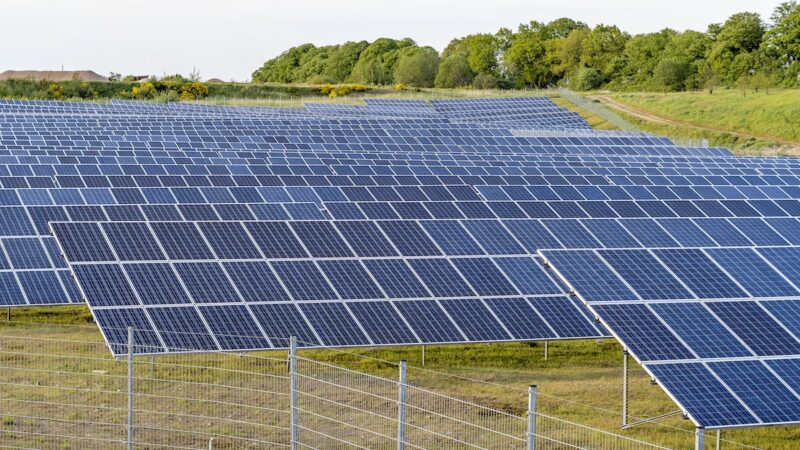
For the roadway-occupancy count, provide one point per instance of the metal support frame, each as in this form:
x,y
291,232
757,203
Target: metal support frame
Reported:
x,y
423,356
293,392
624,388
401,407
546,349
130,388
532,417
699,438
719,439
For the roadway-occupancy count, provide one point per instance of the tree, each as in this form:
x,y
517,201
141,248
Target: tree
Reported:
x,y
642,54
416,66
782,41
568,52
586,79
602,50
454,72
689,47
481,51
731,55
526,58
670,74
760,80
376,62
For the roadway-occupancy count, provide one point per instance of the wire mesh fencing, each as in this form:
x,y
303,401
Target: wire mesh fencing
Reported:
x,y
618,121
67,393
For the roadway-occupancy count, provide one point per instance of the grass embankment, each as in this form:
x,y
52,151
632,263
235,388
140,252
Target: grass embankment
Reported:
x,y
309,94
581,380
763,123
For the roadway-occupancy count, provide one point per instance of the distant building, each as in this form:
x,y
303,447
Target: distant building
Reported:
x,y
52,75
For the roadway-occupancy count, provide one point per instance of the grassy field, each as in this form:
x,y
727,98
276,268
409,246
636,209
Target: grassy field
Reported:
x,y
755,123
287,101
581,380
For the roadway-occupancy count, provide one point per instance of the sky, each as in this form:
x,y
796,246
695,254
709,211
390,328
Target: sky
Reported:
x,y
229,39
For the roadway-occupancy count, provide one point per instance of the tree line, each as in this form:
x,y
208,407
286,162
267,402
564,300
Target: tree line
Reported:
x,y
745,50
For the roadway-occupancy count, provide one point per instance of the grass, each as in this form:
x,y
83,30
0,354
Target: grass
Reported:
x,y
594,120
286,101
755,123
580,381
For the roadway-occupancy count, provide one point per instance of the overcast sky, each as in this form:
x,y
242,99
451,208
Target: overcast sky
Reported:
x,y
229,39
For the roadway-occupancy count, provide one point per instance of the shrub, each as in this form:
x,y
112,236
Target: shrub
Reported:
x,y
326,89
194,91
484,81
586,79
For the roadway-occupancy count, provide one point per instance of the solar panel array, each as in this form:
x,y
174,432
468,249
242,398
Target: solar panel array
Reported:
x,y
409,222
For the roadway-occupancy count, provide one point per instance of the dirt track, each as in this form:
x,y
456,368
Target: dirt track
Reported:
x,y
650,117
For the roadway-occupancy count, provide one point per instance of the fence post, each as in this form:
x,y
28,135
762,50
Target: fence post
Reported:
x,y
293,390
130,388
401,407
532,417
545,349
699,438
624,388
719,439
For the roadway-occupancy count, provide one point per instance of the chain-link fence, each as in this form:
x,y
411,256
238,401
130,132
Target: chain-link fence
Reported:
x,y
69,393
618,121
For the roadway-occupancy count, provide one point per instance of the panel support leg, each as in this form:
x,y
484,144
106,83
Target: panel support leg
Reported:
x,y
423,356
699,438
624,388
719,439
546,345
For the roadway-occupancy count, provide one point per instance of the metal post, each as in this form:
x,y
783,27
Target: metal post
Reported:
x,y
293,390
532,417
423,356
8,314
624,388
699,439
130,388
211,443
719,439
401,408
545,349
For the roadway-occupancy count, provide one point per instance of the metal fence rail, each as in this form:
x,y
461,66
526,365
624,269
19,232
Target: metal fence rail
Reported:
x,y
66,393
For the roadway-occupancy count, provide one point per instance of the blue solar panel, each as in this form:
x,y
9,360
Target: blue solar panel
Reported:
x,y
643,333
696,388
699,273
764,394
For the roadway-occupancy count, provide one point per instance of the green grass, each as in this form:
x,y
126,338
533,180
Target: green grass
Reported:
x,y
754,123
288,101
594,121
581,380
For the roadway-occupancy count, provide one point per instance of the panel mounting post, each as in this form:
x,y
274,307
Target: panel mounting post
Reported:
x,y
699,438
545,349
624,388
